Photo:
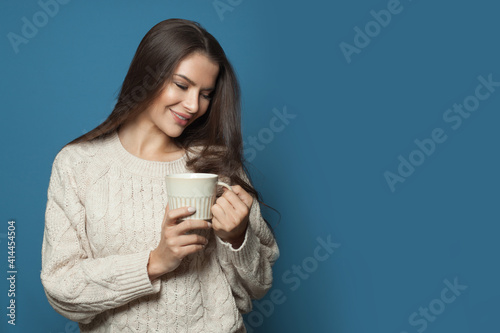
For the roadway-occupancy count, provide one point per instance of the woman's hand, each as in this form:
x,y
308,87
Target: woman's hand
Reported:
x,y
175,244
230,215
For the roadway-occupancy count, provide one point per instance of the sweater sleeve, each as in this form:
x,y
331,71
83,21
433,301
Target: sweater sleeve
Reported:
x,y
77,285
248,269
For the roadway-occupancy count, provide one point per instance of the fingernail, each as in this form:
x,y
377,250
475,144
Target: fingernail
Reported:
x,y
209,224
191,209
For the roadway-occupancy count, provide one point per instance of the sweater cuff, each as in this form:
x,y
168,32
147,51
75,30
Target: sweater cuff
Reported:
x,y
242,256
133,279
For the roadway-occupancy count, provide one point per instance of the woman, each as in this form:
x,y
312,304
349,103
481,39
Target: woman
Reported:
x,y
114,257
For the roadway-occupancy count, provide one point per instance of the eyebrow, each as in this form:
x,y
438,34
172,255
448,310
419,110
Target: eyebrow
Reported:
x,y
192,82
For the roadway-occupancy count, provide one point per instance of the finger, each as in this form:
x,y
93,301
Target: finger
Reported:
x,y
229,210
218,214
165,216
190,249
189,225
217,225
220,207
192,239
243,195
175,214
220,221
235,200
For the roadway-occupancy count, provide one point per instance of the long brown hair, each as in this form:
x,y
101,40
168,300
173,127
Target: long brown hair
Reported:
x,y
218,131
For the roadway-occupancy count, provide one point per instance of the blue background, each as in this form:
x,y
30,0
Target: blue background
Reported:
x,y
324,171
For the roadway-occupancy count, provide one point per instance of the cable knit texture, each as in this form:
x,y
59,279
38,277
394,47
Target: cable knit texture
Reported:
x,y
104,213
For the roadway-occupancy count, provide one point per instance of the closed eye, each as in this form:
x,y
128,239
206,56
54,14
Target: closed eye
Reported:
x,y
181,86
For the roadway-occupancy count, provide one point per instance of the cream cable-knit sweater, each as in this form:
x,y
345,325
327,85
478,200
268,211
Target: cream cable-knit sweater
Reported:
x,y
104,213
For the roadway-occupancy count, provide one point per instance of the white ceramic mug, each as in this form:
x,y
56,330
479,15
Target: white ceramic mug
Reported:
x,y
193,189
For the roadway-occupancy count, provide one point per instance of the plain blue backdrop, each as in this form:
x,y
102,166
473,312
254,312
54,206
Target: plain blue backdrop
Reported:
x,y
420,257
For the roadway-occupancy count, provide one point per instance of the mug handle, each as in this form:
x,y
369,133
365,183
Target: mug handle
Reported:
x,y
225,185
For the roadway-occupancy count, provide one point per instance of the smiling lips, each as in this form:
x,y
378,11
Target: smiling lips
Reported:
x,y
181,118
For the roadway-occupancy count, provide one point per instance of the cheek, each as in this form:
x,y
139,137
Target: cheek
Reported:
x,y
169,96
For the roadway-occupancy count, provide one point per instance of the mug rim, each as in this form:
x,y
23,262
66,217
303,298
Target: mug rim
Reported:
x,y
193,175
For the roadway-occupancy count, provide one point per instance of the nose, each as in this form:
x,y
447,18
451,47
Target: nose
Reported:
x,y
191,101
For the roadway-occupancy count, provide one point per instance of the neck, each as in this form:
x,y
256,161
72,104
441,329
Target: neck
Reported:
x,y
148,142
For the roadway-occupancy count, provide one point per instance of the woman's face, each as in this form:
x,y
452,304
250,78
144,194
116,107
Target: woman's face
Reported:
x,y
186,96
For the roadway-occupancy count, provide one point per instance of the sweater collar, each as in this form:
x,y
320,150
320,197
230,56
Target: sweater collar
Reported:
x,y
140,166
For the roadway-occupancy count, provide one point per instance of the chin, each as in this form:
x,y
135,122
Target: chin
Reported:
x,y
173,132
